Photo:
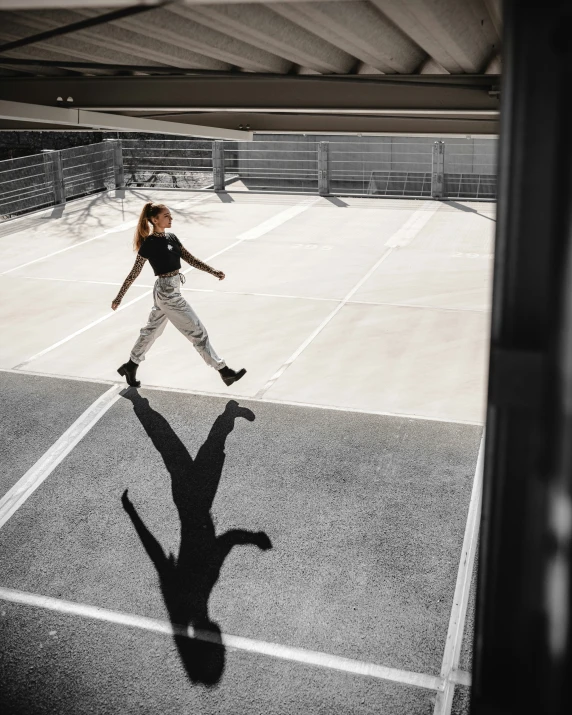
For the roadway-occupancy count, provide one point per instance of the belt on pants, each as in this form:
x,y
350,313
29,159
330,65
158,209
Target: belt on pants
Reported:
x,y
182,276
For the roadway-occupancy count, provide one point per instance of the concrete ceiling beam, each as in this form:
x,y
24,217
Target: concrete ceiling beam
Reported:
x,y
42,4
173,94
495,11
364,68
84,49
483,20
39,114
353,126
41,54
448,30
185,32
336,124
262,27
494,66
430,66
108,4
359,29
35,70
114,37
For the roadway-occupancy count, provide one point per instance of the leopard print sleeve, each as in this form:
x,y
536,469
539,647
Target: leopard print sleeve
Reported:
x,y
135,271
194,262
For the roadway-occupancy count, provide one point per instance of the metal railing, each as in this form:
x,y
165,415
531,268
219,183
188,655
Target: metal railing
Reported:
x,y
87,169
26,184
415,167
290,166
381,168
173,163
52,177
468,174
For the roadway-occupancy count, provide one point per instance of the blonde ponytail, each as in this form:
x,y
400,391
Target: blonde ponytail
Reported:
x,y
143,229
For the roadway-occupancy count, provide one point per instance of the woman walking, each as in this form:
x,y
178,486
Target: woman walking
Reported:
x,y
164,252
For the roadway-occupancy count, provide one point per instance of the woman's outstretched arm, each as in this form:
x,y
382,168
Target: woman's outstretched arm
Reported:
x,y
150,543
135,271
196,263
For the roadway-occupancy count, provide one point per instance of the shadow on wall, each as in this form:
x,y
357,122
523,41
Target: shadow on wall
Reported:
x,y
187,581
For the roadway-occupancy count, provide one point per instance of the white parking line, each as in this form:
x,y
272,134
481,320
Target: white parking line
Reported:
x,y
121,227
140,297
42,469
273,650
410,229
279,219
266,295
414,224
444,701
246,398
282,369
114,229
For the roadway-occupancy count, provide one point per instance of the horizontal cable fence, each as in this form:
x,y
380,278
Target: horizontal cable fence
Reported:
x,y
26,184
411,167
470,174
87,169
50,178
289,166
172,163
381,169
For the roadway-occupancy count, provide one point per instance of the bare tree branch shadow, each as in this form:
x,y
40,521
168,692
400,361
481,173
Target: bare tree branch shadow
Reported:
x,y
187,581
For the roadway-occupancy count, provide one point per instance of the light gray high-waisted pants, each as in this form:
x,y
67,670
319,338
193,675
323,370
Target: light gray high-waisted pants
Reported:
x,y
169,304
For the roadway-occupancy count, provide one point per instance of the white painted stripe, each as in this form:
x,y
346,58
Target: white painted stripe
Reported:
x,y
122,307
320,327
115,229
226,395
80,280
273,650
106,316
278,220
444,701
37,474
461,677
267,295
413,225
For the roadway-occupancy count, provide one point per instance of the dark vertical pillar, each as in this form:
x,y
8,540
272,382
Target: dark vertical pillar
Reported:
x,y
523,645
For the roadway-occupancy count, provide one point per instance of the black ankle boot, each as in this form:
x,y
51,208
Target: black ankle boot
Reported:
x,y
229,376
129,371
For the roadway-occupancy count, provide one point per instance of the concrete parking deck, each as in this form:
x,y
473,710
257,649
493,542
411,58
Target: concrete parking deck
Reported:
x,y
316,527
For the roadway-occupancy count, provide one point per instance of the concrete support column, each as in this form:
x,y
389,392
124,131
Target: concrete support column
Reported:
x,y
438,170
118,162
523,630
218,165
324,168
55,174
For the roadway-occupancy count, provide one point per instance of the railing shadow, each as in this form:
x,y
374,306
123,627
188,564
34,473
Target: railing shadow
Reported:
x,y
187,581
467,209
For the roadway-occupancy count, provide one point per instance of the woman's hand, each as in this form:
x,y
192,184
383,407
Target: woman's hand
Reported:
x,y
115,304
219,275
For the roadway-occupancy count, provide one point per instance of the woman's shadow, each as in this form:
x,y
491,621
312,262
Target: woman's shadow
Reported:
x,y
187,581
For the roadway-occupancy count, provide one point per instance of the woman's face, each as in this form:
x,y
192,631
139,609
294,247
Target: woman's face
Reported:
x,y
163,220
